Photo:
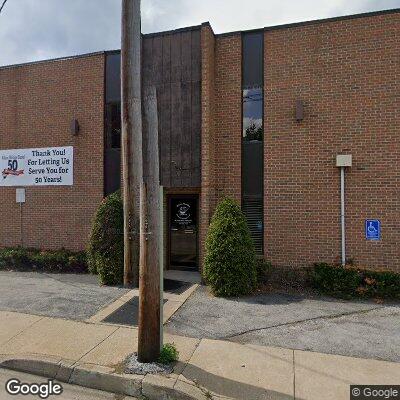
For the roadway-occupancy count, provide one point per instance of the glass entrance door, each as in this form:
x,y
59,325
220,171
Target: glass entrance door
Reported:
x,y
183,232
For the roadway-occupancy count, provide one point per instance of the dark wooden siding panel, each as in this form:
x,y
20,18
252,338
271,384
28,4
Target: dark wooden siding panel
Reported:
x,y
176,135
165,113
196,108
147,56
157,60
166,65
196,55
186,54
186,139
172,62
176,110
196,134
176,58
164,107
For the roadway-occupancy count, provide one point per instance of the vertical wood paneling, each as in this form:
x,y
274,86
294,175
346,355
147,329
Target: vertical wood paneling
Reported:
x,y
147,55
186,56
176,58
196,134
176,134
186,138
176,110
196,108
196,55
172,62
157,60
165,113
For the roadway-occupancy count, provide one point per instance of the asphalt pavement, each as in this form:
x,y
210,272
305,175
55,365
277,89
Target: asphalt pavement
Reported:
x,y
70,296
320,324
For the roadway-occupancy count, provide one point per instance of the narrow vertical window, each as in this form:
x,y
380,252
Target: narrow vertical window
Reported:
x,y
253,136
112,123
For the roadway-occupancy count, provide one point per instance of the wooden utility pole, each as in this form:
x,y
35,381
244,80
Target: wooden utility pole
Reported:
x,y
150,265
132,162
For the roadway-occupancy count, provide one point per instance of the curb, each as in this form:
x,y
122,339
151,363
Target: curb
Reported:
x,y
152,387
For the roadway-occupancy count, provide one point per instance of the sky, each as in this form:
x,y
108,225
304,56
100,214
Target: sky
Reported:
x,y
32,30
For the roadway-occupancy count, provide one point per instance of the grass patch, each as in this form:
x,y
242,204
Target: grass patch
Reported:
x,y
169,354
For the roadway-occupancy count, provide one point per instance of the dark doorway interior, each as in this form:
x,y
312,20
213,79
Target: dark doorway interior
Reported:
x,y
182,235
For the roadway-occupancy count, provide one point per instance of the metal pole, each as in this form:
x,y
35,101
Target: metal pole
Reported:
x,y
342,215
21,222
131,110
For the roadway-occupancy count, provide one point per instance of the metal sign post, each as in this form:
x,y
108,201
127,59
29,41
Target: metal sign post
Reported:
x,y
20,198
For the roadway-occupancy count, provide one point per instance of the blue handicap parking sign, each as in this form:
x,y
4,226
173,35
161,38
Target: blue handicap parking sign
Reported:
x,y
373,229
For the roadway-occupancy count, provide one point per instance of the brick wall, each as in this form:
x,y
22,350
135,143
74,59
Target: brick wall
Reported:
x,y
228,116
347,73
38,103
221,123
207,195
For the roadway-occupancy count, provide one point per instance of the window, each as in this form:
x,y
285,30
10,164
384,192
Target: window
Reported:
x,y
253,114
253,136
113,125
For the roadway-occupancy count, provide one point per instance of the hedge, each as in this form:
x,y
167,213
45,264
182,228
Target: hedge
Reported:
x,y
230,259
349,282
20,258
106,244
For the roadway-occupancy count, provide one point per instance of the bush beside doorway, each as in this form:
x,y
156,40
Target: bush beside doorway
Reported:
x,y
106,245
230,259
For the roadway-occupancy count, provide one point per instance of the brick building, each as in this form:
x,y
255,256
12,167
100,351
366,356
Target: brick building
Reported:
x,y
259,116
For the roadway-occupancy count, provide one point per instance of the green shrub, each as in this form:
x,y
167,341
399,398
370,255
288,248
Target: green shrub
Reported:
x,y
230,260
339,282
169,354
43,260
14,258
263,270
106,245
348,282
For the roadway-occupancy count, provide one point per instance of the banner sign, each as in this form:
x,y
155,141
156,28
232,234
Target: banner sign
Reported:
x,y
52,166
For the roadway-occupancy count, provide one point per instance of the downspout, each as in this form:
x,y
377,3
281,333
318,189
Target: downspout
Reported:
x,y
342,218
343,161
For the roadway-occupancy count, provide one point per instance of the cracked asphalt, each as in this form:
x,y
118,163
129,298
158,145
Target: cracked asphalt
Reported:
x,y
67,296
325,325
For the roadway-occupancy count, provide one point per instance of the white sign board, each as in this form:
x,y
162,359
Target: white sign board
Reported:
x,y
53,166
20,195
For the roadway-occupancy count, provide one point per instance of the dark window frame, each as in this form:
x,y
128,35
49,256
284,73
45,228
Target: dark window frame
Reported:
x,y
246,200
110,140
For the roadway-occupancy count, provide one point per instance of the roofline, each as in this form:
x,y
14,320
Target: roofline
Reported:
x,y
147,35
197,27
51,60
315,22
173,31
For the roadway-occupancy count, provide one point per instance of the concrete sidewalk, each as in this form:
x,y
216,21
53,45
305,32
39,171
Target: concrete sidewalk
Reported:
x,y
91,355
